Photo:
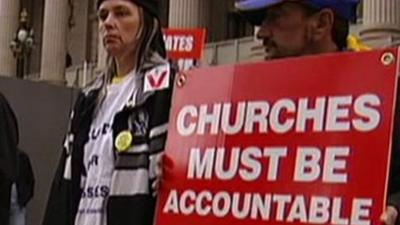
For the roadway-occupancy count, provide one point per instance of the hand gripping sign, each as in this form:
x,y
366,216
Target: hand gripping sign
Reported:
x,y
297,141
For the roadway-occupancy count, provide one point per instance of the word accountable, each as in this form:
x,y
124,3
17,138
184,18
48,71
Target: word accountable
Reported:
x,y
269,206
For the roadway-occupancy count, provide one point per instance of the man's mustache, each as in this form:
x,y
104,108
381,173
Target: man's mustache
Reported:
x,y
264,51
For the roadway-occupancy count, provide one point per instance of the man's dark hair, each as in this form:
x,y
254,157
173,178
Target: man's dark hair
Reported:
x,y
340,32
340,29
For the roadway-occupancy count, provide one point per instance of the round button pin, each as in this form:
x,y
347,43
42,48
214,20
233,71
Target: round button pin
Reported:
x,y
123,141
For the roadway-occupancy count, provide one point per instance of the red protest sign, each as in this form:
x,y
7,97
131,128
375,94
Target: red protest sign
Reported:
x,y
288,141
184,43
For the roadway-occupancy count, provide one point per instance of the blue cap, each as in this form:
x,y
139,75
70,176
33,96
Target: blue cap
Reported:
x,y
250,8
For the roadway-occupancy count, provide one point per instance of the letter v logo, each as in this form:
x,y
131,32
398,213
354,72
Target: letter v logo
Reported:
x,y
157,79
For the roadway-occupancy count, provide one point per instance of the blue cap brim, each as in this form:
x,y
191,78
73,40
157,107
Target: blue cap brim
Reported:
x,y
347,9
249,5
254,10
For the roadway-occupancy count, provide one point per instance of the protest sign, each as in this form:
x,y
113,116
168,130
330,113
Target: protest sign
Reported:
x,y
299,141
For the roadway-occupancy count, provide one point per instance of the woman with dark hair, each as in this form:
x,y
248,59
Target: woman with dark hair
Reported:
x,y
118,125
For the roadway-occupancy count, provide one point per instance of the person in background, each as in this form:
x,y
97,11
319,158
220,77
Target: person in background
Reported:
x,y
16,174
8,157
22,190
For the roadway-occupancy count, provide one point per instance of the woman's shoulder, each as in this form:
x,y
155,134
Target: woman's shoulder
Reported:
x,y
158,63
89,93
95,84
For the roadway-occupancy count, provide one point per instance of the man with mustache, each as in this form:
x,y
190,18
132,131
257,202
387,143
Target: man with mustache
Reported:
x,y
291,28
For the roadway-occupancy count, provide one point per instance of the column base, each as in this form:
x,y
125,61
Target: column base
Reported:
x,y
380,36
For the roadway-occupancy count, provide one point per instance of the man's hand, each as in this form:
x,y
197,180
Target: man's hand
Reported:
x,y
389,217
158,172
163,170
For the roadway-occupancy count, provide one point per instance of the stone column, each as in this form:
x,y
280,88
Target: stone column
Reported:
x,y
77,35
188,13
381,22
9,17
54,44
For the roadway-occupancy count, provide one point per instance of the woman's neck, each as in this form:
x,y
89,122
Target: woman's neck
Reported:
x,y
125,64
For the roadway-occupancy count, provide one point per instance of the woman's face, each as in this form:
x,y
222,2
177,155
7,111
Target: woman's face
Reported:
x,y
119,26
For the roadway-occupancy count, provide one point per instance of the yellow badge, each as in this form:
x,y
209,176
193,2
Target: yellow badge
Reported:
x,y
123,141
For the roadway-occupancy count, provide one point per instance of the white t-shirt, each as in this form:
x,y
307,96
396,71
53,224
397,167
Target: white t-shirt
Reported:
x,y
99,156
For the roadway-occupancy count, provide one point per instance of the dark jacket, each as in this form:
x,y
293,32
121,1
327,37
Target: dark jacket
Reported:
x,y
25,179
8,156
136,208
